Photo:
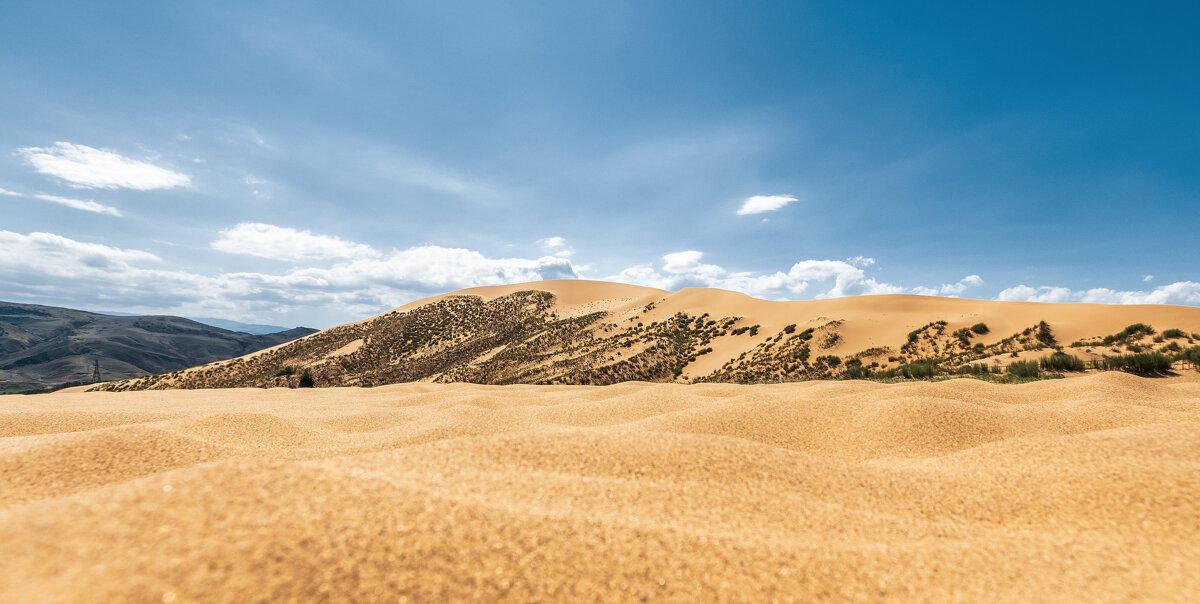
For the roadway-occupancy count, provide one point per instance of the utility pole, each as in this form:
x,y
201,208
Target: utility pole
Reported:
x,y
96,371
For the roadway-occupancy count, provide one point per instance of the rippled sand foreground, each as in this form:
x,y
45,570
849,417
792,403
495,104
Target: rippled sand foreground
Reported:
x,y
1083,489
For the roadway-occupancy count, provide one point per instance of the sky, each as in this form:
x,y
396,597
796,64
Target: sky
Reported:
x,y
313,163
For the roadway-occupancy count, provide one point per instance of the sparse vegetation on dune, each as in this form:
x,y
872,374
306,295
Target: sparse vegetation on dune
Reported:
x,y
522,337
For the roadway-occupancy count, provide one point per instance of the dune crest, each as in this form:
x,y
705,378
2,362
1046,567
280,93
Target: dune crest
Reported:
x,y
597,333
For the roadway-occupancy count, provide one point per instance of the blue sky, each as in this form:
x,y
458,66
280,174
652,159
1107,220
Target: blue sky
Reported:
x,y
311,163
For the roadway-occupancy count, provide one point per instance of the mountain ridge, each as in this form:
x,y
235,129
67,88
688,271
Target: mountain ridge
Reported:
x,y
43,346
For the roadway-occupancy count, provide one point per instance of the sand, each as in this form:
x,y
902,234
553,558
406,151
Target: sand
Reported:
x,y
1080,490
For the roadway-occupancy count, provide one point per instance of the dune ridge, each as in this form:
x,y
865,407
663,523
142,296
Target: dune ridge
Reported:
x,y
598,333
1083,489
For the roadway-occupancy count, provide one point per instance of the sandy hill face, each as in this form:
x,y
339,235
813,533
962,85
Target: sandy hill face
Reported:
x,y
45,345
587,332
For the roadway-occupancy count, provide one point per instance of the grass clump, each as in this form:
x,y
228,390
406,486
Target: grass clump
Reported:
x,y
1024,369
1062,362
980,328
1147,363
1171,334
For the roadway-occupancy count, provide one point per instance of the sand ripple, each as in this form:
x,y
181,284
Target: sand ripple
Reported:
x,y
1084,489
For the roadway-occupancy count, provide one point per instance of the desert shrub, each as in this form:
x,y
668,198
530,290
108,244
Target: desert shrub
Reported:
x,y
980,328
831,339
1062,362
1173,334
1191,354
831,360
917,370
1024,369
306,379
1148,363
1136,330
790,328
753,330
976,369
704,350
1173,347
857,372
1044,335
285,370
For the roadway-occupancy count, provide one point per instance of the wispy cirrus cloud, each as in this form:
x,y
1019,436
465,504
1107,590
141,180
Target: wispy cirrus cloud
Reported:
x,y
85,167
79,204
758,204
86,205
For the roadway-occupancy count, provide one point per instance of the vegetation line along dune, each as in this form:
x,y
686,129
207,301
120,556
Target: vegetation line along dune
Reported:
x,y
586,332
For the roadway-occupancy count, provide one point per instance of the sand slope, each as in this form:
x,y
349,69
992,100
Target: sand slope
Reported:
x,y
597,333
1082,490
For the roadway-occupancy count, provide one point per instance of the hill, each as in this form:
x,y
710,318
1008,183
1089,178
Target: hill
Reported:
x,y
587,332
43,346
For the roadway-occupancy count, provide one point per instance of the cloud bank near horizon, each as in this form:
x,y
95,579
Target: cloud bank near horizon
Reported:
x,y
359,280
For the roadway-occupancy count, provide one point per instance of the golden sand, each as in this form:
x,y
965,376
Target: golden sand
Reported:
x,y
1082,490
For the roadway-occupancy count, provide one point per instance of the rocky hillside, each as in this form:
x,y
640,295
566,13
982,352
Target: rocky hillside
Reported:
x,y
567,332
43,346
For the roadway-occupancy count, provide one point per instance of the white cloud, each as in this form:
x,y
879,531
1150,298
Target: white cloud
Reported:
x,y
757,204
283,243
84,167
951,290
684,269
1148,278
1180,293
50,267
557,246
79,204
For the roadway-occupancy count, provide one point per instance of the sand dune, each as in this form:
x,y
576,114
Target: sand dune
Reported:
x,y
1082,490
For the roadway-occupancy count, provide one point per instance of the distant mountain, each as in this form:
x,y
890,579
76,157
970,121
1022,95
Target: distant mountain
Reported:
x,y
44,345
250,328
257,329
581,332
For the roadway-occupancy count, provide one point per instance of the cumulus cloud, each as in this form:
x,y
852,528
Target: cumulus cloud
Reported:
x,y
557,246
757,204
951,290
284,243
89,275
1179,293
88,168
685,269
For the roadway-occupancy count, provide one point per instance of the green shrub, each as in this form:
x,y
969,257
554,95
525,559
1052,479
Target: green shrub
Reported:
x,y
980,328
1173,333
1136,330
831,360
1044,335
1062,362
306,379
918,370
976,369
857,372
1024,369
1148,363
